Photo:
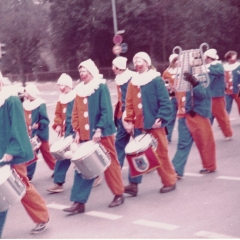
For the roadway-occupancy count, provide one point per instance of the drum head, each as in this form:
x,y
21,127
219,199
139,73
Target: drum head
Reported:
x,y
84,149
61,143
5,172
138,144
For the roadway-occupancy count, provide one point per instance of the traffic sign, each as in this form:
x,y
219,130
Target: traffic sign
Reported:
x,y
124,47
117,49
117,39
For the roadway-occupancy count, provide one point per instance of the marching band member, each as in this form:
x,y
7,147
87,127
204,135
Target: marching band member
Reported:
x,y
215,71
148,108
16,149
194,110
232,80
63,126
92,118
168,76
123,76
37,121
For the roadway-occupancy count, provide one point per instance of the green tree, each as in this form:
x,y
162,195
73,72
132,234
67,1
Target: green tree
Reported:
x,y
23,26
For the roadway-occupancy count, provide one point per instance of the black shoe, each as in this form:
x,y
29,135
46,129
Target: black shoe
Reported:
x,y
118,200
131,189
166,189
75,208
204,171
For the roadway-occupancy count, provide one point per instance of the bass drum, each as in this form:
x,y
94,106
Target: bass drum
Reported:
x,y
91,159
61,149
12,189
141,154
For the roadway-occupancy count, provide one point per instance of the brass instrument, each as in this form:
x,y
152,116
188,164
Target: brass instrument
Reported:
x,y
191,61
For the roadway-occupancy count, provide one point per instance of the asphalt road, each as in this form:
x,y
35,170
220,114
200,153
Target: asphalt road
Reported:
x,y
202,206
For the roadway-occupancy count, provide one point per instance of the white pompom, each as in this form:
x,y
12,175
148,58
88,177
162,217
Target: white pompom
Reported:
x,y
73,147
68,155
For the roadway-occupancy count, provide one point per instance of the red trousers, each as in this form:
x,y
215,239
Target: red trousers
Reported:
x,y
202,134
32,201
220,113
47,156
113,174
166,170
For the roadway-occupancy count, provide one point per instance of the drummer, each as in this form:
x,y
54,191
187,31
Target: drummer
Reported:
x,y
94,121
37,121
15,148
63,127
148,107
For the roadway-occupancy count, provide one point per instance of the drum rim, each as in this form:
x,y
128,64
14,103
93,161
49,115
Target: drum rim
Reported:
x,y
83,157
61,149
141,149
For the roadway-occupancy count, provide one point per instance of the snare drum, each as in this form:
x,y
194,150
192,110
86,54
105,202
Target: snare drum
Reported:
x,y
61,148
12,189
35,142
91,159
141,155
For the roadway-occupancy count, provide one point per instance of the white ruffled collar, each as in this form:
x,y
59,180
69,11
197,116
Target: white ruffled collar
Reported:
x,y
231,67
85,90
31,105
5,93
68,97
140,79
124,77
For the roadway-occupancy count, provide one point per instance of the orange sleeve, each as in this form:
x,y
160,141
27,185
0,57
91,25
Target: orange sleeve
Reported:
x,y
129,104
58,116
75,122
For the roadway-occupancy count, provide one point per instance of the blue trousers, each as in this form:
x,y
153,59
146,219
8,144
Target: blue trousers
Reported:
x,y
3,216
60,170
122,139
171,123
80,183
229,102
184,145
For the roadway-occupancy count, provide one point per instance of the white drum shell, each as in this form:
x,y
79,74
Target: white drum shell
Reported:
x,y
35,142
12,189
59,148
90,160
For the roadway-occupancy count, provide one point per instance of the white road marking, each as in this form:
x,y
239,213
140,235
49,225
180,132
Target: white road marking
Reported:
x,y
193,174
57,206
161,225
228,178
103,215
206,234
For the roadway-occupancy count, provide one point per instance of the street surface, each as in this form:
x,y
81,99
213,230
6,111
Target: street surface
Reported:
x,y
202,206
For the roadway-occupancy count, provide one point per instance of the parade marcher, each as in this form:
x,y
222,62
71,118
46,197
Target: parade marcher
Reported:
x,y
15,149
169,76
37,121
215,71
123,76
194,111
232,80
148,108
63,126
92,119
